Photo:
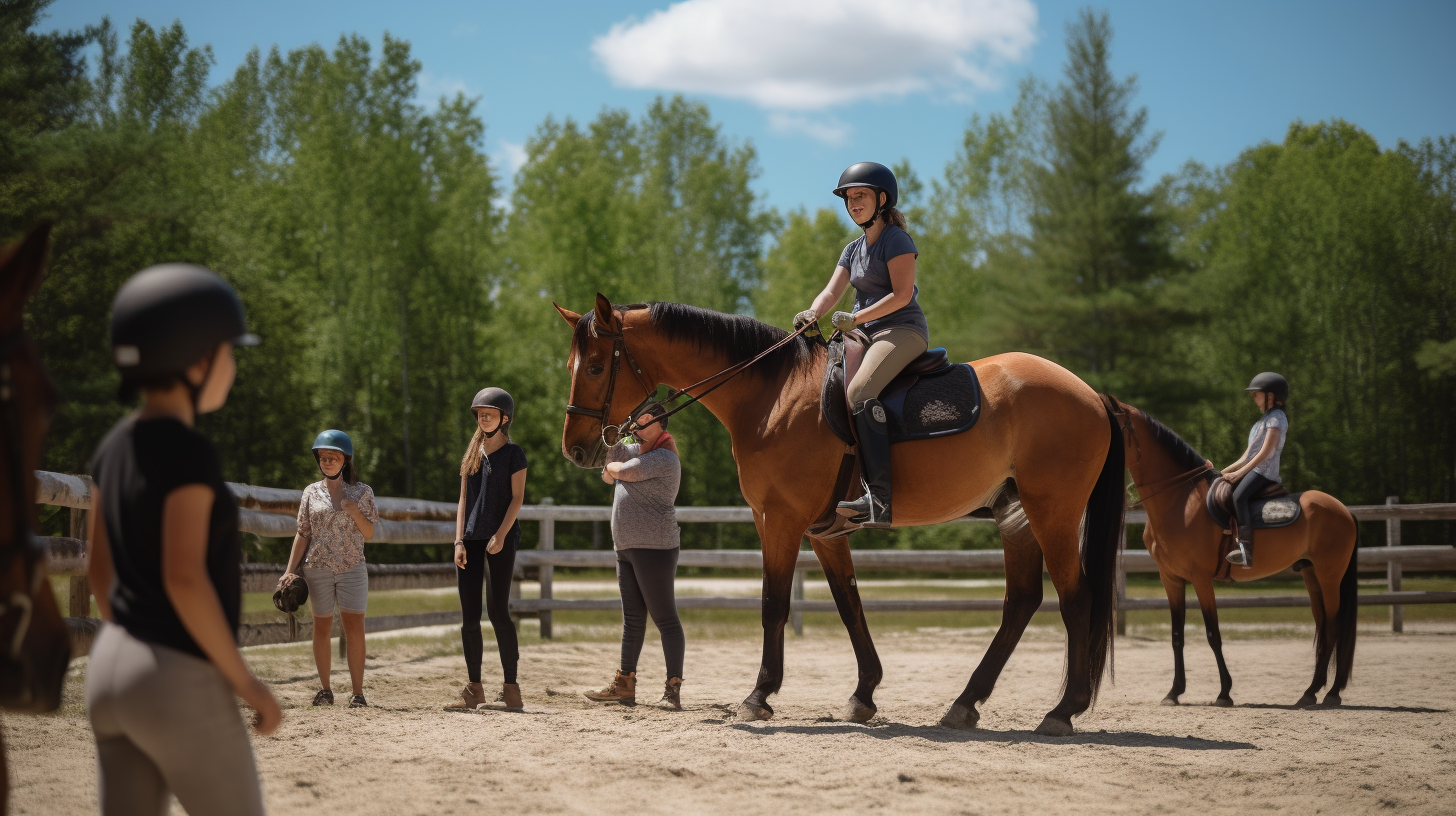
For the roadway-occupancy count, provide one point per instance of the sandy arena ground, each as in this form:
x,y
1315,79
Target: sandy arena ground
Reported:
x,y
1391,746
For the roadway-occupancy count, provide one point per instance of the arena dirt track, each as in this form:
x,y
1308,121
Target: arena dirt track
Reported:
x,y
1390,747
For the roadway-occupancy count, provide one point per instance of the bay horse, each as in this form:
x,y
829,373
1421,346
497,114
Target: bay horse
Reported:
x,y
35,647
1173,482
1045,454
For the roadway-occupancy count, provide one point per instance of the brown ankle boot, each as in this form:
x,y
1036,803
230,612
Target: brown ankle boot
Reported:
x,y
672,695
470,697
509,699
622,689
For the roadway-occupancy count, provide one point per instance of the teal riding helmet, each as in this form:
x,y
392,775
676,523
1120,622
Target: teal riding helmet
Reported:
x,y
334,441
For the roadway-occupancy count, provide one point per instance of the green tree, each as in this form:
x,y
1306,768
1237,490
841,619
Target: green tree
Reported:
x,y
799,265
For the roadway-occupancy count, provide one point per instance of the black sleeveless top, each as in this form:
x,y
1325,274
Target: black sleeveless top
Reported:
x,y
138,463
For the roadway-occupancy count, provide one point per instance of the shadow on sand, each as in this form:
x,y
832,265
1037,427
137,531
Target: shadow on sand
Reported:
x,y
936,733
1346,707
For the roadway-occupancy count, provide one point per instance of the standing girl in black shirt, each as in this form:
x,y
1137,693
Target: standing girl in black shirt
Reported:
x,y
164,562
487,535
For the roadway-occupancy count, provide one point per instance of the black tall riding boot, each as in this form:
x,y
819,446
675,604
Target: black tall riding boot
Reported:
x,y
872,510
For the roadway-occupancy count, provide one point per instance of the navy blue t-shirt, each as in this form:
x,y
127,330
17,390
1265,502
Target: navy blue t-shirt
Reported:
x,y
869,274
135,467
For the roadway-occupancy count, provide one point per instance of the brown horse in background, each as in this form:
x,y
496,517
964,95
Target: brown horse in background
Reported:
x,y
1044,455
34,645
1186,544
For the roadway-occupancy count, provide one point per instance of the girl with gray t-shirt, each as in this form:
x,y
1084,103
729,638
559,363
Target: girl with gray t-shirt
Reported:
x,y
645,476
1258,468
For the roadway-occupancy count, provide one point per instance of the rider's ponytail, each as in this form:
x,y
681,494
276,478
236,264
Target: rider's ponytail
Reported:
x,y
893,217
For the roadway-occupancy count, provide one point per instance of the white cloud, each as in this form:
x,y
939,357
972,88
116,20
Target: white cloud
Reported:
x,y
514,155
828,130
432,87
810,55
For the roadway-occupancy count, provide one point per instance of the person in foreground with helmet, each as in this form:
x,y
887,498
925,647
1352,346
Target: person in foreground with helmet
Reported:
x,y
335,517
645,475
164,562
1258,468
487,535
880,265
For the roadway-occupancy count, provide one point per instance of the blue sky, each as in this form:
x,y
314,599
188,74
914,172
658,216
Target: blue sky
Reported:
x,y
1216,77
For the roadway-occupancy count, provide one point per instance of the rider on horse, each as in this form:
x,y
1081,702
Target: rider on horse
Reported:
x,y
1258,468
880,265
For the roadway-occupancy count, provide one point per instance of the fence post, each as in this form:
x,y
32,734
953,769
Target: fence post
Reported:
x,y
796,610
80,600
547,542
1392,568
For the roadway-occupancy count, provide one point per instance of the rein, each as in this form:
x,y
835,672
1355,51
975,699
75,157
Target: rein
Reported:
x,y
619,351
1125,420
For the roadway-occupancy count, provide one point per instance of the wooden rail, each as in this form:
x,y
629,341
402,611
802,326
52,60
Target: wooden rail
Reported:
x,y
271,512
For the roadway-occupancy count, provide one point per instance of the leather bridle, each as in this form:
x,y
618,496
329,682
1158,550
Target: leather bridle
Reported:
x,y
612,434
1164,485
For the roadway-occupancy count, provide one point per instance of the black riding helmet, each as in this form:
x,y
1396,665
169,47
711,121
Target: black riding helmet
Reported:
x,y
497,398
166,317
875,176
1273,383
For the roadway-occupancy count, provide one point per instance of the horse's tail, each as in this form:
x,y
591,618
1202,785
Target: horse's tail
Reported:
x,y
1101,542
1346,618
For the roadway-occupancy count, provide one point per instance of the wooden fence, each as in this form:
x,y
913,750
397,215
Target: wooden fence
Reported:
x,y
271,512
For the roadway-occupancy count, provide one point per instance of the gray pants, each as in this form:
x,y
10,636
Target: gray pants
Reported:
x,y
891,351
647,581
166,723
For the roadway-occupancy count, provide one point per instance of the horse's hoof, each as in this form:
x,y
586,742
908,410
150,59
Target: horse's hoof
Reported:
x,y
961,717
749,712
1224,702
1306,701
1332,700
857,712
1053,727
1170,700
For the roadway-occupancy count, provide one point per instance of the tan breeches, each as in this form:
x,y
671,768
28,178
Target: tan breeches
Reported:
x,y
892,350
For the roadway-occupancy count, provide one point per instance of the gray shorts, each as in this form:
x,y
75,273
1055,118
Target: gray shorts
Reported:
x,y
349,590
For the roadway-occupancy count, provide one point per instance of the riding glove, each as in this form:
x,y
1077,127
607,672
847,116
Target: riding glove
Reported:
x,y
806,316
843,321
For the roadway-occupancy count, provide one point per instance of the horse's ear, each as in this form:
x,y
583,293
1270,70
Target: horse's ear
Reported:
x,y
571,318
22,268
605,318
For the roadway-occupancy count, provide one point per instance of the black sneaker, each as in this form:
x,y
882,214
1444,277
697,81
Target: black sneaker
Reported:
x,y
358,701
324,697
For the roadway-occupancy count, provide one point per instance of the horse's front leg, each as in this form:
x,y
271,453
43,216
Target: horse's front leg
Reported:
x,y
780,556
834,557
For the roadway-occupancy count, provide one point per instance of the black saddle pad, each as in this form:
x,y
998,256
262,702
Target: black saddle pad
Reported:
x,y
920,406
1265,514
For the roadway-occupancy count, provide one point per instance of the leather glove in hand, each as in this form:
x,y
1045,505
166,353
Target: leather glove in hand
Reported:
x,y
806,316
843,321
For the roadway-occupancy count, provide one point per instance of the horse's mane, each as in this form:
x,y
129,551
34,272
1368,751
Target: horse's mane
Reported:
x,y
735,337
1181,451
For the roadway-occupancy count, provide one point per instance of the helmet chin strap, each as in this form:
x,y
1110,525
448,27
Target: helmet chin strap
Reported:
x,y
498,429
879,209
195,391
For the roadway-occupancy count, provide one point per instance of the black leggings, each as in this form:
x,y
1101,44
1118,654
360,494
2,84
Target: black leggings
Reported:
x,y
1244,492
646,579
494,573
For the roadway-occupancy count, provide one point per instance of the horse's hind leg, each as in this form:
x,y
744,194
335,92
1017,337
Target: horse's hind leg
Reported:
x,y
1177,590
1324,637
1023,597
1209,604
780,555
834,557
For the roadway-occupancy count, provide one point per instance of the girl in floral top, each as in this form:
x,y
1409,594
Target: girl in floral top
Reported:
x,y
335,517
